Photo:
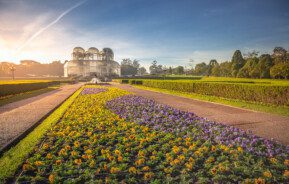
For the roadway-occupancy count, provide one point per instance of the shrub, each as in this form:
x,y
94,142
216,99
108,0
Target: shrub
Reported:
x,y
261,93
16,88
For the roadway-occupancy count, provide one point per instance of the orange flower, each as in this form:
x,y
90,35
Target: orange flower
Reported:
x,y
89,134
132,170
117,152
76,144
286,173
49,156
146,168
286,162
27,167
119,158
259,181
78,161
240,149
148,176
68,147
74,153
51,178
267,174
114,170
58,162
88,151
38,163
213,148
214,171
139,161
176,149
45,146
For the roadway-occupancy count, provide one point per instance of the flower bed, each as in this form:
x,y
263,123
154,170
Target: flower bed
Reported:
x,y
89,91
165,118
92,144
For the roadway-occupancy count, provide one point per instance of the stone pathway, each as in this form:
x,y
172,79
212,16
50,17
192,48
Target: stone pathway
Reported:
x,y
262,124
17,117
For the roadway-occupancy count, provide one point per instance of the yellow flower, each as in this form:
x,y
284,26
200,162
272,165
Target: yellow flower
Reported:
x,y
175,162
103,151
168,170
68,147
132,170
117,152
76,144
88,151
27,167
84,156
49,156
210,160
240,149
45,146
62,152
176,149
78,161
51,178
114,170
259,181
153,157
286,173
146,168
141,154
267,174
189,166
213,148
286,162
197,153
191,160
58,162
74,153
139,161
89,134
38,163
181,157
148,176
119,158
214,171
92,164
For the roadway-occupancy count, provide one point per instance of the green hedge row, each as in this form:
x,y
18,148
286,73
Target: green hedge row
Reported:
x,y
14,88
261,93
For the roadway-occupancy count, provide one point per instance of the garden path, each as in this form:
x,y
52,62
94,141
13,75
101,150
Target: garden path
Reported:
x,y
260,123
18,117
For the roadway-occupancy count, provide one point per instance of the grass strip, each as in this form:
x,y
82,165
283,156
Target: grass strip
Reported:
x,y
13,158
280,110
21,96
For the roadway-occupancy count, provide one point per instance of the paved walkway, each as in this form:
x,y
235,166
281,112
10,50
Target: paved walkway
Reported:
x,y
262,124
17,117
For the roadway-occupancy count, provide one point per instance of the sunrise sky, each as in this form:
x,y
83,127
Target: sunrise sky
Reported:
x,y
171,32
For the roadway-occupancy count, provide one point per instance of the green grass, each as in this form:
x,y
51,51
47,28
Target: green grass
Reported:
x,y
13,158
14,98
280,110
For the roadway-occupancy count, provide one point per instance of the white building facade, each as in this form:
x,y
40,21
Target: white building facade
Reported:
x,y
92,63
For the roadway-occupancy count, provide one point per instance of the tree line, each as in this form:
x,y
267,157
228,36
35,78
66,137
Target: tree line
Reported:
x,y
251,65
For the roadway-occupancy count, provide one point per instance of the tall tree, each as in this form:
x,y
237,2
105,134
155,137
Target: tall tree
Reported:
x,y
237,62
211,65
201,69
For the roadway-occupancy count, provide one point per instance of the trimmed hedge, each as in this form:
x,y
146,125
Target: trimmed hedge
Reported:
x,y
16,88
261,93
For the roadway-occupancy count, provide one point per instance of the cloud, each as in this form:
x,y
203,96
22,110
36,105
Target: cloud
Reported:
x,y
49,25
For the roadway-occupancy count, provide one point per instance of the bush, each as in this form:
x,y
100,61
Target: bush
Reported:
x,y
261,93
124,81
16,88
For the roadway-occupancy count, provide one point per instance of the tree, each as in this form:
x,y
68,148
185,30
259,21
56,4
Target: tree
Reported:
x,y
247,70
156,69
201,69
211,65
252,54
279,51
170,71
136,64
142,71
127,67
280,70
237,62
179,70
225,69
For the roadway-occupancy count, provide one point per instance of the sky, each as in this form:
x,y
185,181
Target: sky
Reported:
x,y
169,31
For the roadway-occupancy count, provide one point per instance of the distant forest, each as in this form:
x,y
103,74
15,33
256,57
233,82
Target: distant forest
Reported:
x,y
251,65
30,68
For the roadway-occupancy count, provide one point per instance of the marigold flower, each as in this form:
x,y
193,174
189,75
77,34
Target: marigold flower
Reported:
x,y
67,147
168,170
117,152
267,174
119,158
213,148
76,144
259,181
240,149
89,151
286,162
132,170
148,176
84,156
92,163
45,146
146,168
27,167
49,156
78,161
153,157
176,149
189,166
114,170
58,162
214,171
51,178
89,134
286,173
74,153
38,163
139,161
